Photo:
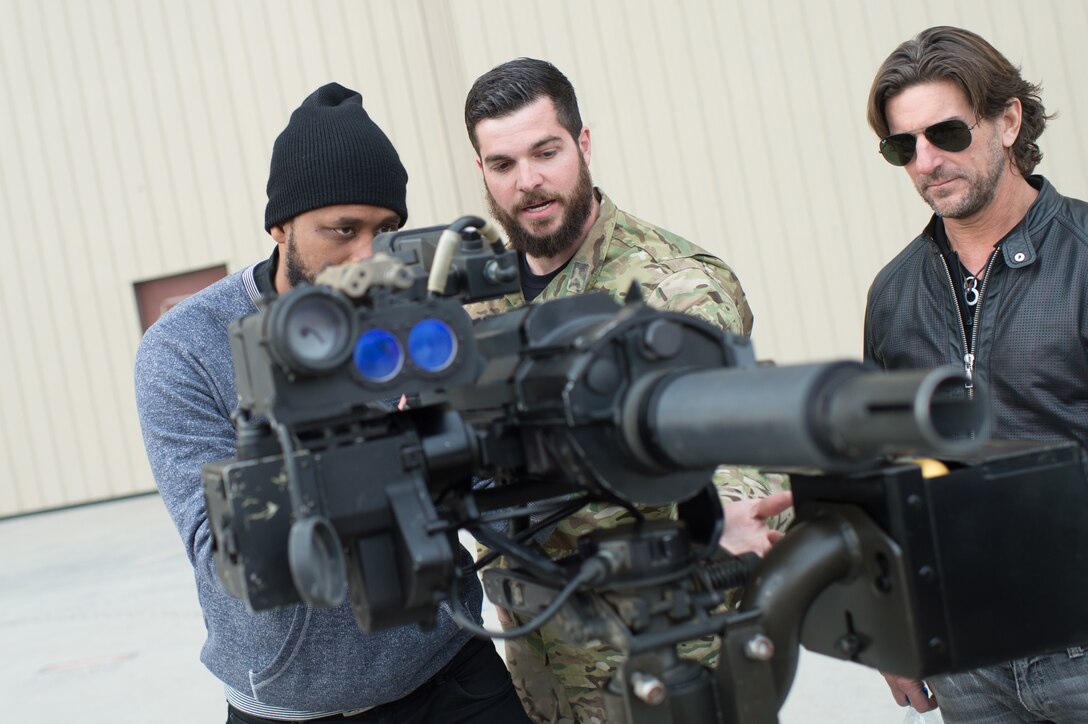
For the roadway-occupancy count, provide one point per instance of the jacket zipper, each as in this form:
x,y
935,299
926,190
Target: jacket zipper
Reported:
x,y
969,347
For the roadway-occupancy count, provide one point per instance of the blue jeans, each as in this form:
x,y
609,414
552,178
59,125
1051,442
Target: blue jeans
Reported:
x,y
1052,688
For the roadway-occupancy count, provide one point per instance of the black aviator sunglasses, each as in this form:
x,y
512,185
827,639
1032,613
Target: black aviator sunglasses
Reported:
x,y
955,135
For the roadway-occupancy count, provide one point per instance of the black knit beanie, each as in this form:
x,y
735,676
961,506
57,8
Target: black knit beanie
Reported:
x,y
332,153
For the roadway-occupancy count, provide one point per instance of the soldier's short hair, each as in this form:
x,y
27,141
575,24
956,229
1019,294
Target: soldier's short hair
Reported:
x,y
985,76
515,84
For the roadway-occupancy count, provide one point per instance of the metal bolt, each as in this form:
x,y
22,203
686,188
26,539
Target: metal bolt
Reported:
x,y
647,688
759,648
848,645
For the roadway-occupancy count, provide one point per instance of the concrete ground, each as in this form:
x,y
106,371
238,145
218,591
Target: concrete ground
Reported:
x,y
99,624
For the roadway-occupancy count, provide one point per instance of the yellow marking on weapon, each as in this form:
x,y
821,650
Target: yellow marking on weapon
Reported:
x,y
931,468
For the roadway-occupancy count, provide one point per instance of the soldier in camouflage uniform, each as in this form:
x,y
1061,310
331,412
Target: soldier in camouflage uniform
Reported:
x,y
523,120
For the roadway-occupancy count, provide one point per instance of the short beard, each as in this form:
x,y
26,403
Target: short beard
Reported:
x,y
981,189
579,205
297,272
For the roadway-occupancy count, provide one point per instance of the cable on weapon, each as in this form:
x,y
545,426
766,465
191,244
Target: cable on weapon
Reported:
x,y
447,244
593,570
529,532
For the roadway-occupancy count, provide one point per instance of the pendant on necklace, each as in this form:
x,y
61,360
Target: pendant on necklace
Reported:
x,y
970,290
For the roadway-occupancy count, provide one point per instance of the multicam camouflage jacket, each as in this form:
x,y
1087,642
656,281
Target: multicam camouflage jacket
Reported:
x,y
674,275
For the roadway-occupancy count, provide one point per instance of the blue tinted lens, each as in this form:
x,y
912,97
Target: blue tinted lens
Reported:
x,y
432,345
378,355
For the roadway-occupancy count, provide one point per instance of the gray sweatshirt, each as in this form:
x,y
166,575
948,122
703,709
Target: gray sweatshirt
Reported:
x,y
291,661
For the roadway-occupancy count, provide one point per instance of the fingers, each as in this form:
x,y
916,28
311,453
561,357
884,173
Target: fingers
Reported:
x,y
907,691
773,504
897,685
748,534
746,529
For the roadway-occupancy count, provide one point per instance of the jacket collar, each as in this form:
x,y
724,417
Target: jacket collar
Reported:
x,y
1018,248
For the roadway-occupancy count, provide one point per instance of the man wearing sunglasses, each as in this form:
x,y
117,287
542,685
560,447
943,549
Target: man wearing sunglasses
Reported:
x,y
997,282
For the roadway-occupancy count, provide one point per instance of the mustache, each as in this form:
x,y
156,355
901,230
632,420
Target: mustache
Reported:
x,y
535,198
938,175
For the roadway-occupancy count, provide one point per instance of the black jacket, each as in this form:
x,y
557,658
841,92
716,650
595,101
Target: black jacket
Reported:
x,y
1031,350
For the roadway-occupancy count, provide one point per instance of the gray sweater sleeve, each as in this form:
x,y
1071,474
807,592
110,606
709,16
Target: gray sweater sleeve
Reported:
x,y
185,395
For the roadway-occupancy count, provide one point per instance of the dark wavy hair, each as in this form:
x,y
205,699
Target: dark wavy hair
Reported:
x,y
988,80
515,84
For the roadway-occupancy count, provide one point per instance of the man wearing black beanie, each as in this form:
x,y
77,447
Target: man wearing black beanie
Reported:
x,y
335,182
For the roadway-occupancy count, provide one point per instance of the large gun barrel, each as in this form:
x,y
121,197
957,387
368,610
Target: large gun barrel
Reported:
x,y
814,416
644,404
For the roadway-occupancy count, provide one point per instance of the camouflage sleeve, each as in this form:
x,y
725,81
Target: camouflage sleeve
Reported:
x,y
489,307
716,297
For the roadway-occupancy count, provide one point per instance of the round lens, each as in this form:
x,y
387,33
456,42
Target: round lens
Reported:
x,y
316,331
311,330
378,355
432,345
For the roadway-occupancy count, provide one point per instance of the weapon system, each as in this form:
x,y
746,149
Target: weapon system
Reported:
x,y
377,419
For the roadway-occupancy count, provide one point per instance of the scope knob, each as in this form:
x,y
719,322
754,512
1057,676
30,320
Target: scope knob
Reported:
x,y
662,339
603,376
498,273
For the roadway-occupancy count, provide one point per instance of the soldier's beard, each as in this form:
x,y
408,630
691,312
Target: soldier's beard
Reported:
x,y
578,205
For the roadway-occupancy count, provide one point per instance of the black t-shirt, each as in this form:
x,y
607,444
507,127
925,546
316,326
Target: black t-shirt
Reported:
x,y
968,286
533,284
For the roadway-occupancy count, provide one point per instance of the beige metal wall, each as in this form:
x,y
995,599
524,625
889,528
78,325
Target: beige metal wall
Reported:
x,y
135,136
